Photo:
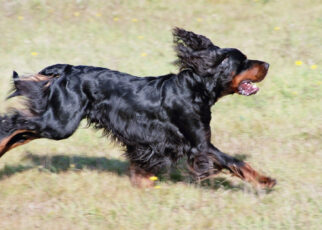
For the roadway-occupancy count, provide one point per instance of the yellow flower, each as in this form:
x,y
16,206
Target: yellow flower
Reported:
x,y
76,14
20,18
134,20
143,54
34,53
157,187
140,37
153,178
98,14
294,93
116,19
199,19
314,66
298,63
277,28
319,82
72,165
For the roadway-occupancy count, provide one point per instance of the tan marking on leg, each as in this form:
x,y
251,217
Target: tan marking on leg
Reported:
x,y
140,178
4,142
250,175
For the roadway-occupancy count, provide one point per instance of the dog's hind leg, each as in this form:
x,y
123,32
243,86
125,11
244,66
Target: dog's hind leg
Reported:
x,y
14,133
54,111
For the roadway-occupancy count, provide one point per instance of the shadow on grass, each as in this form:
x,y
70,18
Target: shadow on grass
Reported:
x,y
63,163
9,170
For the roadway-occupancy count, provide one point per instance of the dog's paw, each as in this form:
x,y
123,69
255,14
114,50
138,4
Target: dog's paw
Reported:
x,y
266,182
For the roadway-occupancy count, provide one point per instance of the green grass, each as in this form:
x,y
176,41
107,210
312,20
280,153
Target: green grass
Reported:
x,y
81,183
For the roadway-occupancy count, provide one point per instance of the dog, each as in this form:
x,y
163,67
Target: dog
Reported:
x,y
159,119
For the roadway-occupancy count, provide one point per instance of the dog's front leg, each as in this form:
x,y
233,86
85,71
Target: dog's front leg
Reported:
x,y
239,168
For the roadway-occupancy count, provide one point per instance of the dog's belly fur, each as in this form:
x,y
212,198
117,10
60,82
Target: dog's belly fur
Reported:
x,y
146,140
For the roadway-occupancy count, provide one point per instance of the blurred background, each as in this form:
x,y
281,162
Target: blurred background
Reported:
x,y
81,183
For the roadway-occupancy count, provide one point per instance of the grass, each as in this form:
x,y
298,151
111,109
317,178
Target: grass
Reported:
x,y
81,183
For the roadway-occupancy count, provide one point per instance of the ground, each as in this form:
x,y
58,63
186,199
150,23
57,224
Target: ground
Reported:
x,y
81,183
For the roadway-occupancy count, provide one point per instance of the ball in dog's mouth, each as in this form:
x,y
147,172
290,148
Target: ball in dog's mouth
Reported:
x,y
247,88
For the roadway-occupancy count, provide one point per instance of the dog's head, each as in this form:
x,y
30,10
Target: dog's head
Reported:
x,y
225,70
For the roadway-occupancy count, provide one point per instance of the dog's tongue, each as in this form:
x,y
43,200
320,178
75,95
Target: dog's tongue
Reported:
x,y
247,88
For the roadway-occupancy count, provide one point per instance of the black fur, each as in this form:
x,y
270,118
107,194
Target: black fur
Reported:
x,y
158,119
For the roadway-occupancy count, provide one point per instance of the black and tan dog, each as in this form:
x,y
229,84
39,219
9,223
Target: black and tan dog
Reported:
x,y
158,119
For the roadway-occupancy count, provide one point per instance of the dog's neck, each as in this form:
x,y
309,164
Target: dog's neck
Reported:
x,y
206,88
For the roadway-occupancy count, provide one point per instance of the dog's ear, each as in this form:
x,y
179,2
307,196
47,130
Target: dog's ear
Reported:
x,y
191,40
195,52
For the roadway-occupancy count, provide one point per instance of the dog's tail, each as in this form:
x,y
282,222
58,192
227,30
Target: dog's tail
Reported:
x,y
34,88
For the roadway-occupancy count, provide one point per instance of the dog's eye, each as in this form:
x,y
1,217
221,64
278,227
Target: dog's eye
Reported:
x,y
240,67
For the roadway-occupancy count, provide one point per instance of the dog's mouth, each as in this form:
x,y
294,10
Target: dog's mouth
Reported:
x,y
244,82
247,88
